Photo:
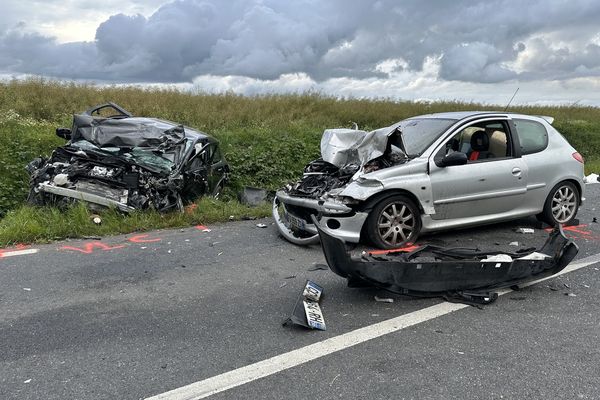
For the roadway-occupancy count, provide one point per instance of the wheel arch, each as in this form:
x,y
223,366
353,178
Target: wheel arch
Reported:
x,y
370,202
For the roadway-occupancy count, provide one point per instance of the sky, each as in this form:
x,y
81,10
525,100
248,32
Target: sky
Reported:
x,y
465,50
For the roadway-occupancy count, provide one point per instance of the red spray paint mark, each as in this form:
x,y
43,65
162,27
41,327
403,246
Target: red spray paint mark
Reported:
x,y
89,248
409,248
143,239
202,228
577,232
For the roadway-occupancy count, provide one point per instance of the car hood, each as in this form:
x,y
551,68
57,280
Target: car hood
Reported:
x,y
342,147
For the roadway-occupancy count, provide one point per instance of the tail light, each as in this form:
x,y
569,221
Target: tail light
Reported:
x,y
578,157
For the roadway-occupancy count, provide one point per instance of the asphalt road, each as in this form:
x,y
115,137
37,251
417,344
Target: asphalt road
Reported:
x,y
133,316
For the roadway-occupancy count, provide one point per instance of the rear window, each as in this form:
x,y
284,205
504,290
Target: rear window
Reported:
x,y
533,136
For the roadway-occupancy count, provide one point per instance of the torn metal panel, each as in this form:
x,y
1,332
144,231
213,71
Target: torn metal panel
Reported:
x,y
129,163
457,274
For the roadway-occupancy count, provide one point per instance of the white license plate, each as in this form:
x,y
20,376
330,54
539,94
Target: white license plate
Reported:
x,y
294,222
312,291
314,316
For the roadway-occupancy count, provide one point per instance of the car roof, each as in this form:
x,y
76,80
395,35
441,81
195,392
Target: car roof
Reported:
x,y
460,115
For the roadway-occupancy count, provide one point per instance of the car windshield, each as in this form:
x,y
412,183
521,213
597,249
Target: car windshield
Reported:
x,y
419,133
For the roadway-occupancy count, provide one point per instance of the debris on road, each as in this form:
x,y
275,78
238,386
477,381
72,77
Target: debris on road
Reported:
x,y
27,289
252,196
591,178
318,267
514,244
113,159
284,284
96,219
383,299
571,294
261,225
27,381
456,274
595,220
307,311
525,230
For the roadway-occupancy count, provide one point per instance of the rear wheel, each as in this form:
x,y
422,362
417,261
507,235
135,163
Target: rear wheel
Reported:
x,y
393,222
562,204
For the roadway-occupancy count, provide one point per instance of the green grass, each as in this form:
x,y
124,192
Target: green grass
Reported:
x,y
266,139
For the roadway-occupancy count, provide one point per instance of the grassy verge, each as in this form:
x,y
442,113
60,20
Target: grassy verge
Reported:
x,y
267,140
29,224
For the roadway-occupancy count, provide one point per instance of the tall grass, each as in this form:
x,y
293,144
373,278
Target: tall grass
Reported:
x,y
266,139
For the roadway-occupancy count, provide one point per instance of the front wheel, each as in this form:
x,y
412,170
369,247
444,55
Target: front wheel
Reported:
x,y
561,205
394,222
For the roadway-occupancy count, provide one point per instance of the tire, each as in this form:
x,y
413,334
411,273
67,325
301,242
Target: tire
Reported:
x,y
393,222
561,205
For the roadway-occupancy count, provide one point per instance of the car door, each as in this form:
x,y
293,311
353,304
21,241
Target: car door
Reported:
x,y
491,184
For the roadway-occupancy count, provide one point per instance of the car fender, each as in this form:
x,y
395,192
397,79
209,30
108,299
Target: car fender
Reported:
x,y
411,177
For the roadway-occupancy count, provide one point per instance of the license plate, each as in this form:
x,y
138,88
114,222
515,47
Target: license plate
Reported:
x,y
295,223
312,291
314,316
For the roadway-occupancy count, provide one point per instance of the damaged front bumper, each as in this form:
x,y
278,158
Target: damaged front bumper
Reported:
x,y
299,229
461,275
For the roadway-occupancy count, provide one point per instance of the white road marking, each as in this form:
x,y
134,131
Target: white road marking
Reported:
x,y
18,253
273,365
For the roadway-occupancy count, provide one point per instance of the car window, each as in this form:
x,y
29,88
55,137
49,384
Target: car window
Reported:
x,y
419,133
483,141
533,136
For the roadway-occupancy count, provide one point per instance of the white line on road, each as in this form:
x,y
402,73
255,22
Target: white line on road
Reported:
x,y
273,365
18,253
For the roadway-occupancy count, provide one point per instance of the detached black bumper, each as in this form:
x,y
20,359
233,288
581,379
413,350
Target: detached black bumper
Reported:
x,y
462,275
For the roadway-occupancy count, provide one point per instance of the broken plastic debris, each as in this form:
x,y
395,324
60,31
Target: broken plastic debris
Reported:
x,y
455,274
27,381
513,244
535,256
96,219
383,299
261,225
27,289
283,285
571,294
318,267
231,217
498,258
525,230
202,228
591,178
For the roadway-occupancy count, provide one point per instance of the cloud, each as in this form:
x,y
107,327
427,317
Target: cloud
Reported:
x,y
473,41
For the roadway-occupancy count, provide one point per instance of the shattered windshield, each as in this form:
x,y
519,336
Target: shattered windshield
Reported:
x,y
419,133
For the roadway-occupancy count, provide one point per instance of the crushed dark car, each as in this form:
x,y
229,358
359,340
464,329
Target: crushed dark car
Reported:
x,y
456,274
114,159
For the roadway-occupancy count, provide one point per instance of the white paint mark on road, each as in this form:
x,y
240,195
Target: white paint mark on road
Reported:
x,y
5,253
273,365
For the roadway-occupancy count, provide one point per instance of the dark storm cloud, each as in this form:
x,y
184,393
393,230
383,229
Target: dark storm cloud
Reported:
x,y
473,40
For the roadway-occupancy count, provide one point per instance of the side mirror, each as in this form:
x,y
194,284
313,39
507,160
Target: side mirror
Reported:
x,y
456,158
64,133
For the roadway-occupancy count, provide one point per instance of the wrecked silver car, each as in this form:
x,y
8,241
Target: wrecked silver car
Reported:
x,y
456,274
430,173
113,159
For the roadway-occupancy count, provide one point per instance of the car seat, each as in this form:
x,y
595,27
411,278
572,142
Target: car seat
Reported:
x,y
480,144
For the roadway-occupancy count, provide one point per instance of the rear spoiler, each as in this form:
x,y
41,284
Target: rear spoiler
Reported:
x,y
546,118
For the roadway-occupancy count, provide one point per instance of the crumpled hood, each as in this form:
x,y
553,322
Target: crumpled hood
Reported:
x,y
342,147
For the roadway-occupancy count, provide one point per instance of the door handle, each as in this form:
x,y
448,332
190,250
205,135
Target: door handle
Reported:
x,y
516,171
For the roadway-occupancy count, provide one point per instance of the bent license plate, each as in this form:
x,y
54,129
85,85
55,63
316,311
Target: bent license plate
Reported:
x,y
295,223
314,316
